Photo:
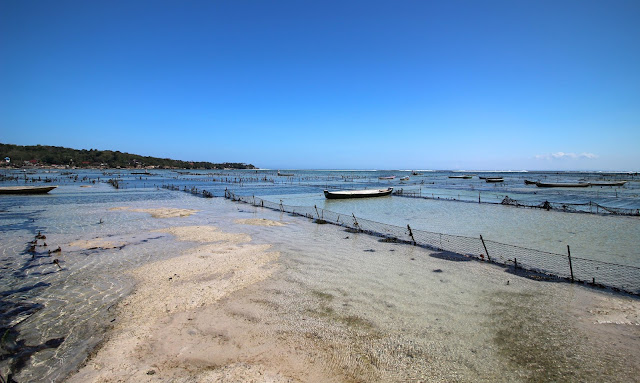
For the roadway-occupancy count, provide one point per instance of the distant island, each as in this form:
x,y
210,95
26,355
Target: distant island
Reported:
x,y
56,156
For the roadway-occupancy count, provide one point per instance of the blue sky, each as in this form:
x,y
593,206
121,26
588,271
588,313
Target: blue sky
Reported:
x,y
329,84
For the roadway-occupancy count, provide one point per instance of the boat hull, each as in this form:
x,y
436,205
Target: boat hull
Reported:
x,y
562,185
358,193
26,189
604,183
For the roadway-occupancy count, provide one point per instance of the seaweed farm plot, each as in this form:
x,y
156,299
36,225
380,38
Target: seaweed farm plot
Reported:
x,y
531,263
567,207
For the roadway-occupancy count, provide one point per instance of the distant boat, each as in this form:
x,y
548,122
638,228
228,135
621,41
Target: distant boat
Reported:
x,y
562,185
285,174
26,189
608,183
527,182
387,178
405,178
344,194
494,179
415,173
466,177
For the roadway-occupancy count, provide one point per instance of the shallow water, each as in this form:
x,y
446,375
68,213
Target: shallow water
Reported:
x,y
387,312
599,237
378,311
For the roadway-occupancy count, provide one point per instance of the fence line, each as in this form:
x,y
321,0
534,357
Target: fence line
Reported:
x,y
587,207
535,264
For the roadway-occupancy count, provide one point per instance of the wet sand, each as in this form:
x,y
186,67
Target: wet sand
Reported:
x,y
201,317
160,212
169,329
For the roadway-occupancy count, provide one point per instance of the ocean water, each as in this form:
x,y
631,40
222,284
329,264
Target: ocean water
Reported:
x,y
388,303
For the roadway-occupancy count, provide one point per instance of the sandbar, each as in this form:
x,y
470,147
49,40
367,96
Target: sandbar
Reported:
x,y
258,222
169,329
160,212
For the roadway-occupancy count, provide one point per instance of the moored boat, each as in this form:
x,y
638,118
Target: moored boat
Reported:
x,y
527,182
405,178
285,174
344,194
562,184
466,177
608,183
26,189
494,179
387,178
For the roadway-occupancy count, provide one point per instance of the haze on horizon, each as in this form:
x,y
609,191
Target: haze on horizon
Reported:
x,y
495,85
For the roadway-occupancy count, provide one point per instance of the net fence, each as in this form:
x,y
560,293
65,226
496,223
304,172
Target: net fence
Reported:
x,y
586,207
531,263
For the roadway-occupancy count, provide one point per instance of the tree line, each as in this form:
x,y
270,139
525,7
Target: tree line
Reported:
x,y
55,155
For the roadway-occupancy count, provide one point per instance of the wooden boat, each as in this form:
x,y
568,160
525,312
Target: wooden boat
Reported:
x,y
344,194
494,179
405,178
285,174
387,178
562,184
608,183
466,177
26,189
527,182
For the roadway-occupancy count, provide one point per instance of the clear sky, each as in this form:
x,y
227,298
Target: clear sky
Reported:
x,y
329,84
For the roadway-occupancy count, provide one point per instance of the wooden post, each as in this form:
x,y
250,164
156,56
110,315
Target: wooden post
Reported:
x,y
570,265
515,263
355,222
411,235
485,248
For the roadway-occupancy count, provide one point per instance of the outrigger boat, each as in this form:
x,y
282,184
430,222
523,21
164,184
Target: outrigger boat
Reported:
x,y
562,185
344,194
26,189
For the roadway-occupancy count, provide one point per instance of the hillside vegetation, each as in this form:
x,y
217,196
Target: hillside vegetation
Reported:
x,y
41,155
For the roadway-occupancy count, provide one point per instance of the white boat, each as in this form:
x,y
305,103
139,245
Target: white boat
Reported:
x,y
344,194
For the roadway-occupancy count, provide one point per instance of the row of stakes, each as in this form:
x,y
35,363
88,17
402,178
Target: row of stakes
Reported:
x,y
34,244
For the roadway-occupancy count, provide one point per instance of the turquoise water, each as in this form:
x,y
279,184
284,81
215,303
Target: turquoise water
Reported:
x,y
53,316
